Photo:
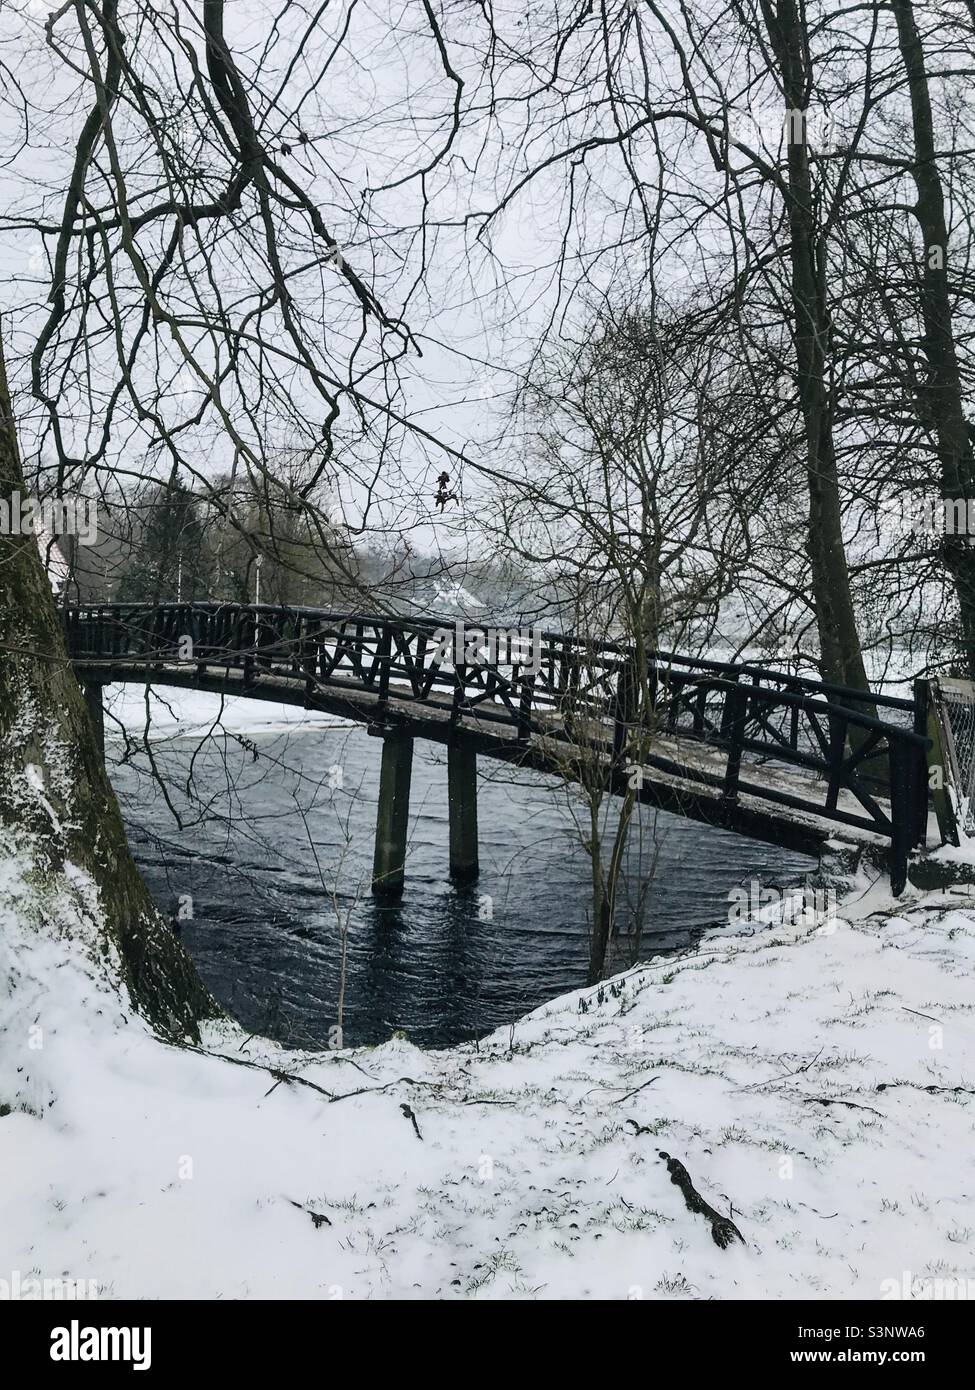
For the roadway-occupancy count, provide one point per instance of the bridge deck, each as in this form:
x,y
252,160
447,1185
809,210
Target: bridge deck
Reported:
x,y
692,787
770,754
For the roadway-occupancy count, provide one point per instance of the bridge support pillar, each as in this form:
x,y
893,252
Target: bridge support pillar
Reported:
x,y
92,691
462,809
392,814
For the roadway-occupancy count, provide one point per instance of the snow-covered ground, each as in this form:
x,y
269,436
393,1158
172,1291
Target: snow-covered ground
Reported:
x,y
169,712
816,1082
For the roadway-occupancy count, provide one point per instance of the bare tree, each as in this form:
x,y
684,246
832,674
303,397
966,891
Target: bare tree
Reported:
x,y
216,296
629,508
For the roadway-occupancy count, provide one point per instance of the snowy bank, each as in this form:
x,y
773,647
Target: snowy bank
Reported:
x,y
816,1084
169,712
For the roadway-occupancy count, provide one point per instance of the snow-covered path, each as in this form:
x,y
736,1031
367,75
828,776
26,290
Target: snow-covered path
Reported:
x,y
804,1076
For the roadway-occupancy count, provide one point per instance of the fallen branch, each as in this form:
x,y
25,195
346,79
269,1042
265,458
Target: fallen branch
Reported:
x,y
833,1100
280,1077
375,1090
723,1229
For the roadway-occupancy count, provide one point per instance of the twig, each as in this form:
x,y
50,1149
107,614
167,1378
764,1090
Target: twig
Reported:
x,y
639,1129
798,1072
931,1090
279,1075
317,1218
410,1116
374,1090
637,1090
832,1100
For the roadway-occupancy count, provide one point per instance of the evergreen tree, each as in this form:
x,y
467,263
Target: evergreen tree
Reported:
x,y
170,559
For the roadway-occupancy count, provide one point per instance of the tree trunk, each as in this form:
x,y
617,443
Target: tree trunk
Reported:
x,y
55,796
602,926
841,656
943,394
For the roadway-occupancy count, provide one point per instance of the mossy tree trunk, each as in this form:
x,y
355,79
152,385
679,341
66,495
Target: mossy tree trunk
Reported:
x,y
54,793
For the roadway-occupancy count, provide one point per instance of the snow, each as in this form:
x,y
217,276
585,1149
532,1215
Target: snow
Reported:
x,y
171,712
52,557
804,1075
453,597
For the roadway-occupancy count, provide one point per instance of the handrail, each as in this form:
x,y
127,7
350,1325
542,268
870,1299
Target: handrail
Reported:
x,y
447,623
850,716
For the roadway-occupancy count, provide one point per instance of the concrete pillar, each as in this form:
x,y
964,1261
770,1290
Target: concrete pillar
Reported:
x,y
462,808
392,814
92,691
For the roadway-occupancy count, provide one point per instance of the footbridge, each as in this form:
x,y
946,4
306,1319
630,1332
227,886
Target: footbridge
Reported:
x,y
770,755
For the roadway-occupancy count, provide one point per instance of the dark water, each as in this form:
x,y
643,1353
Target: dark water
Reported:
x,y
275,856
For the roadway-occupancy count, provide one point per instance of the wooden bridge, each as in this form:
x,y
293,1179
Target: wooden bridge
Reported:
x,y
773,756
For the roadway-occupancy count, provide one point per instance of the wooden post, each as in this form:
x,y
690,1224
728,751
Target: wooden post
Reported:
x,y
733,720
525,707
462,811
627,691
837,748
938,764
92,691
384,648
902,812
392,814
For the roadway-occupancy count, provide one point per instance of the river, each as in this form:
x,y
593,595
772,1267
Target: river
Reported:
x,y
272,867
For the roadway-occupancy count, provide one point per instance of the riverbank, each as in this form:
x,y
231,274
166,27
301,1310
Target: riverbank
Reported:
x,y
814,1082
168,712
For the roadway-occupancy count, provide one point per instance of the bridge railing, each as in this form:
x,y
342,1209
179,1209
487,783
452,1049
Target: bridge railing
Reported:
x,y
293,638
750,717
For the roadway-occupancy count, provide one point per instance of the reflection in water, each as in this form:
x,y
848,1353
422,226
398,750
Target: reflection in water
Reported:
x,y
278,860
